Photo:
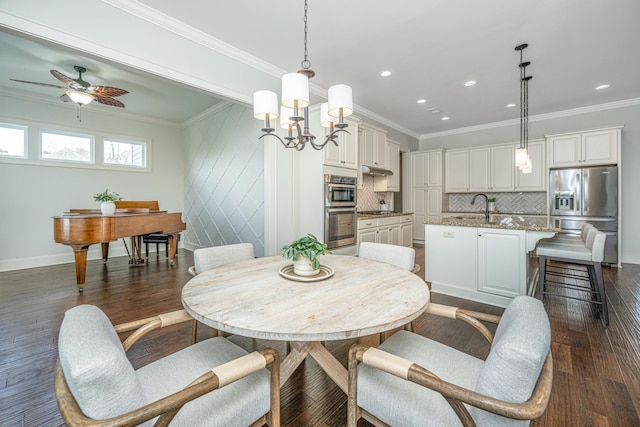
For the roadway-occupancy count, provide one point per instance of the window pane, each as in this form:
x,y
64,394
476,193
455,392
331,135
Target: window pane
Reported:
x,y
66,147
124,153
12,142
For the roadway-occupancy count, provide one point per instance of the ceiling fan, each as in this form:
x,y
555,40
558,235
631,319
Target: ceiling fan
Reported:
x,y
82,92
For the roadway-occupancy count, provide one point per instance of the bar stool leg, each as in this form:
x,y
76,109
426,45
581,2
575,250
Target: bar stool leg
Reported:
x,y
597,267
542,270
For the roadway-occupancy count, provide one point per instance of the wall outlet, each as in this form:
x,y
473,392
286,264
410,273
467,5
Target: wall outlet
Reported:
x,y
449,234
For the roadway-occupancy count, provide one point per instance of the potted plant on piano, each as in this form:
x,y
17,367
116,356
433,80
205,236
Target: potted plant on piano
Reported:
x,y
108,207
304,252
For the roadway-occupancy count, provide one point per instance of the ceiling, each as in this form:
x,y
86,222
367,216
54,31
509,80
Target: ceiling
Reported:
x,y
432,47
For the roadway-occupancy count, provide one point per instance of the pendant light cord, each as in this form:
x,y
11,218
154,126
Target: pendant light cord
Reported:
x,y
306,64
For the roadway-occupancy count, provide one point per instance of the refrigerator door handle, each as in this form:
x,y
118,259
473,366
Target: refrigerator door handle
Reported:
x,y
581,196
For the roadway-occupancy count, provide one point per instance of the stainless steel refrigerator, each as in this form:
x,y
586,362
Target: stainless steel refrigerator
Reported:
x,y
589,195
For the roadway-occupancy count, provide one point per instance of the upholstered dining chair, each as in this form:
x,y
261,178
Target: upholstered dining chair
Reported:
x,y
210,383
411,380
207,258
400,256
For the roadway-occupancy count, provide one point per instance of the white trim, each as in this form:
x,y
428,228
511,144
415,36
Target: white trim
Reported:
x,y
539,117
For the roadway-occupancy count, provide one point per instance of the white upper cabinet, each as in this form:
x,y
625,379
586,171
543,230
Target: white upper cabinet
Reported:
x,y
373,146
456,171
584,149
392,182
345,154
537,179
426,169
491,168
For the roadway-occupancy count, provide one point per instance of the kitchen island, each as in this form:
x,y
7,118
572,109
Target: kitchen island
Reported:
x,y
485,261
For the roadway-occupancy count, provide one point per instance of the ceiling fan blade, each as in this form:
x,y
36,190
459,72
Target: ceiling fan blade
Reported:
x,y
75,84
40,84
108,101
106,91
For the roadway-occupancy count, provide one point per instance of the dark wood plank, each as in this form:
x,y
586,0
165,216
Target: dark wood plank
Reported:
x,y
596,375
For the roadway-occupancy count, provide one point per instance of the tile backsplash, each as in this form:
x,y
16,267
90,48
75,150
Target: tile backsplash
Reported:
x,y
368,199
526,203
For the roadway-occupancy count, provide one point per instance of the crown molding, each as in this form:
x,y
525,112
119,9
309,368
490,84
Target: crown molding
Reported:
x,y
536,118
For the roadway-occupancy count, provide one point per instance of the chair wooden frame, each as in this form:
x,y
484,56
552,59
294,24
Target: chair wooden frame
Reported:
x,y
455,395
167,408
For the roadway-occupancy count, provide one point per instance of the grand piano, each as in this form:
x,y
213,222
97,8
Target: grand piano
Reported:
x,y
83,228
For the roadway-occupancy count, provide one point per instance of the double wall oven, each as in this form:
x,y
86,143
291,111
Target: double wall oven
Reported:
x,y
339,211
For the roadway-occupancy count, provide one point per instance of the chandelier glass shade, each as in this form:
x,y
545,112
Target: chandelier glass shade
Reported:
x,y
523,160
294,109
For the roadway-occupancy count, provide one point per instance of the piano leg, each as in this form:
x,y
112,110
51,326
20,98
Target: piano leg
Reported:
x,y
173,247
80,255
105,251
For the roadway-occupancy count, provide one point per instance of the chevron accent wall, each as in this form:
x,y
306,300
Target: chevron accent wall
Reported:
x,y
525,203
224,179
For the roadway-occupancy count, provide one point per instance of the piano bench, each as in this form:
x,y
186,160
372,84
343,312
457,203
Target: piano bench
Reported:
x,y
158,239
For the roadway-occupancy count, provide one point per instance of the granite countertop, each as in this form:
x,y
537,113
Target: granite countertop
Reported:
x,y
493,212
383,215
509,222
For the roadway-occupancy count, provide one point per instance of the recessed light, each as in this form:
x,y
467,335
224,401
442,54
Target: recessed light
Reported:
x,y
470,83
434,110
445,118
510,105
602,87
385,73
421,101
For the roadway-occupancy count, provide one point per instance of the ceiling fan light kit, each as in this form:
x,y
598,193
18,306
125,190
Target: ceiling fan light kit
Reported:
x,y
294,111
78,97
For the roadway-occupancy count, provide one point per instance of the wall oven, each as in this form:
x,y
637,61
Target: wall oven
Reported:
x,y
339,211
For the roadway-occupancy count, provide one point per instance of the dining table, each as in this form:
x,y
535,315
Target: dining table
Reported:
x,y
351,298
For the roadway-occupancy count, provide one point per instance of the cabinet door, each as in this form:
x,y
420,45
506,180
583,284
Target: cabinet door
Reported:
x,y
501,255
419,169
406,235
456,171
383,235
434,169
349,146
367,235
600,148
393,160
332,153
536,180
418,225
366,147
502,168
434,202
564,150
380,149
394,234
480,169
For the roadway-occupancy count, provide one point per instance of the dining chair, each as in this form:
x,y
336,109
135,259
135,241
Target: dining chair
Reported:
x,y
400,256
207,258
411,380
210,383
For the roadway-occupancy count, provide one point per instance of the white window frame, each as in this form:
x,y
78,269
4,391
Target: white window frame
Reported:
x,y
146,149
25,139
92,146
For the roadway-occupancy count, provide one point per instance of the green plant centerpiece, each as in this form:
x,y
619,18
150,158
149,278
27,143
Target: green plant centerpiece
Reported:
x,y
304,252
107,199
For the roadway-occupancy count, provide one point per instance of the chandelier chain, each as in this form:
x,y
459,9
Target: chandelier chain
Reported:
x,y
306,64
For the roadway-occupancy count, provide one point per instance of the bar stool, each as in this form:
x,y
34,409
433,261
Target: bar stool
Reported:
x,y
590,255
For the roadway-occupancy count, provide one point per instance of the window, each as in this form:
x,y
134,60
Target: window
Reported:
x,y
13,141
127,153
67,147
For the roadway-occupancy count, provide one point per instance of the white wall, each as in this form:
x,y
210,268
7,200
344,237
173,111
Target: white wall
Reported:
x,y
629,116
30,195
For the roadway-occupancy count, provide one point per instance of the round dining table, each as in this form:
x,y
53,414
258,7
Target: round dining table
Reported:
x,y
253,299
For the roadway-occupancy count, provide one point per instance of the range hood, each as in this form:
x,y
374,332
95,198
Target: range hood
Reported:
x,y
370,170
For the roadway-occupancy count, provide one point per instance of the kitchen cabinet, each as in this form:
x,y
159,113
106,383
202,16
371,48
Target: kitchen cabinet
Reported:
x,y
426,168
390,183
394,230
427,206
456,171
373,147
345,154
491,168
537,179
597,147
501,263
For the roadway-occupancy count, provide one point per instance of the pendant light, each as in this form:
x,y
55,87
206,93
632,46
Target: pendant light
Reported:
x,y
523,160
294,111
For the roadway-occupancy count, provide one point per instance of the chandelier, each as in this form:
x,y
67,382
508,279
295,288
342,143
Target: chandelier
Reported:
x,y
294,111
523,160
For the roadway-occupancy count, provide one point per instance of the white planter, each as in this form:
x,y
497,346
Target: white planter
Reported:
x,y
492,206
108,208
302,267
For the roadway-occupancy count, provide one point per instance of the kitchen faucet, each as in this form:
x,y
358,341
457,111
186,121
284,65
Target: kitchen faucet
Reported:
x,y
486,207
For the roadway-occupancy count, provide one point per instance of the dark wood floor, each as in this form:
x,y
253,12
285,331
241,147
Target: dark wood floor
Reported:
x,y
596,369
